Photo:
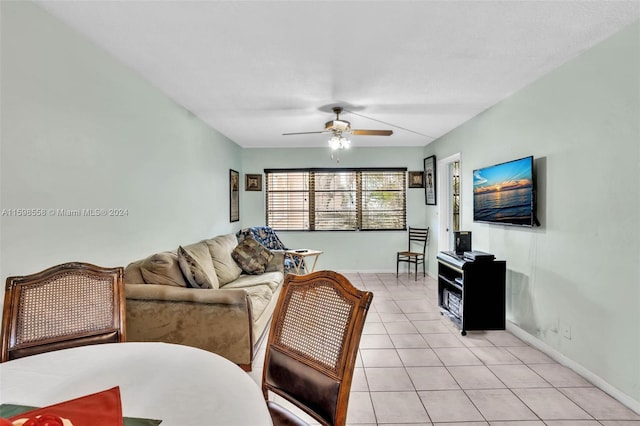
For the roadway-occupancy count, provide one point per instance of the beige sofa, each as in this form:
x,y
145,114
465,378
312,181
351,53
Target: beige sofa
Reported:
x,y
201,295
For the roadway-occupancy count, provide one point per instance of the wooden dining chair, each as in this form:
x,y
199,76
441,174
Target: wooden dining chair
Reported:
x,y
416,251
68,305
313,345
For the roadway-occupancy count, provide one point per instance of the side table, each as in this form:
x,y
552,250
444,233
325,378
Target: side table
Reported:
x,y
302,254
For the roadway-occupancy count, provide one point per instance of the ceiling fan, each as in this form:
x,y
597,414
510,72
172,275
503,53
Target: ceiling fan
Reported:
x,y
340,128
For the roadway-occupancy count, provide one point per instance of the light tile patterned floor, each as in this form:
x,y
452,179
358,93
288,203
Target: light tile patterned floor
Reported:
x,y
414,367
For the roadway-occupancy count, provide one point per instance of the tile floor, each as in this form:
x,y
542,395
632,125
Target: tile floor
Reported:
x,y
415,368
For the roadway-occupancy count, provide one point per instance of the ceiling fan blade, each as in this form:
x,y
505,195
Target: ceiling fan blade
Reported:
x,y
372,132
303,133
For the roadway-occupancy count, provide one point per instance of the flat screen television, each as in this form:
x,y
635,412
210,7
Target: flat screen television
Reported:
x,y
504,193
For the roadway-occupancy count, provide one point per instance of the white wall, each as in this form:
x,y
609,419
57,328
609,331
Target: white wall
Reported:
x,y
347,251
580,269
80,130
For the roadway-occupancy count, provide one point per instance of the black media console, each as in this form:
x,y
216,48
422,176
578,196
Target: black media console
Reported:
x,y
472,292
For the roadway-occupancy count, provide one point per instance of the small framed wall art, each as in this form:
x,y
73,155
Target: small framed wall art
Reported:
x,y
430,180
416,179
252,182
234,196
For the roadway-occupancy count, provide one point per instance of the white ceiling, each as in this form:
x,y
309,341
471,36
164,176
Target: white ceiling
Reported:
x,y
256,69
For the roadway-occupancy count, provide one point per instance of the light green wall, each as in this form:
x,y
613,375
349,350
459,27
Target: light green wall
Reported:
x,y
580,269
343,251
80,130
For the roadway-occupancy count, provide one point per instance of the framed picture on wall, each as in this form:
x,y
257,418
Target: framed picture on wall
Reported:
x,y
252,182
234,196
416,179
430,180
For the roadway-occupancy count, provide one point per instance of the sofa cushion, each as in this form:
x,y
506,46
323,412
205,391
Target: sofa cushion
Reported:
x,y
162,268
197,275
220,249
252,256
259,297
271,279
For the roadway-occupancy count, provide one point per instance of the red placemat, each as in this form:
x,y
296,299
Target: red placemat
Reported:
x,y
98,409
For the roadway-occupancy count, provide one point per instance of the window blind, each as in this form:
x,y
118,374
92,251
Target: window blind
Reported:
x,y
336,199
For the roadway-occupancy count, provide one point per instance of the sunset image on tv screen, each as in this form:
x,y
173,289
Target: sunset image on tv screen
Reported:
x,y
504,193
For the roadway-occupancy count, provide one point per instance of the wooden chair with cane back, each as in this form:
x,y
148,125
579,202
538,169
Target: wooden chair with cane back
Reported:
x,y
68,305
313,345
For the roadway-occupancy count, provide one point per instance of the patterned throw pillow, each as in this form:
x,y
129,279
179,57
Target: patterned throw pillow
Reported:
x,y
192,271
251,256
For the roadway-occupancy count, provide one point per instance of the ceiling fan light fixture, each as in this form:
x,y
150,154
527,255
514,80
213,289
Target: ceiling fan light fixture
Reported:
x,y
338,141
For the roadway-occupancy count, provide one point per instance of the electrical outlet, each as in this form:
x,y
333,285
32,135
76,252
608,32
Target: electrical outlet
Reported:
x,y
566,331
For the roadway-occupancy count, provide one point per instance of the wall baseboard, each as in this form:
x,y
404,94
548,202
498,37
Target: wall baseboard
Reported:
x,y
596,380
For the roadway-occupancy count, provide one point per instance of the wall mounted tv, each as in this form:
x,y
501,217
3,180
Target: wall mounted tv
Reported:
x,y
504,193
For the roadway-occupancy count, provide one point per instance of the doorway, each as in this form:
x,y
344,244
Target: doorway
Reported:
x,y
450,195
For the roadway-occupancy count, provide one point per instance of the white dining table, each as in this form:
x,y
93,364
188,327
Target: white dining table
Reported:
x,y
180,385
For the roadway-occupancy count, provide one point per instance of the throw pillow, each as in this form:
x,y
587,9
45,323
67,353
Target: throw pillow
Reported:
x,y
192,271
252,256
200,252
162,268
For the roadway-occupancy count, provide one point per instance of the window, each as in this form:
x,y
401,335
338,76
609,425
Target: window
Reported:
x,y
336,199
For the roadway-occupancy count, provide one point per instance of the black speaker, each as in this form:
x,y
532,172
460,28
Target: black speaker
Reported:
x,y
462,241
